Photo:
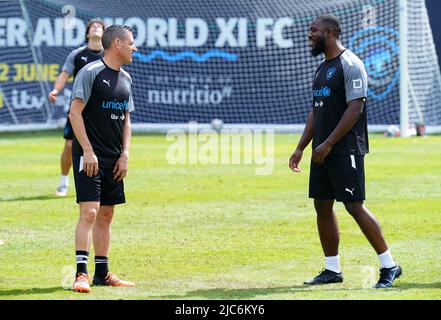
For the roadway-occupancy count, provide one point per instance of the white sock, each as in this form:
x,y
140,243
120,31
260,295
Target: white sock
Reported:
x,y
333,263
64,180
386,259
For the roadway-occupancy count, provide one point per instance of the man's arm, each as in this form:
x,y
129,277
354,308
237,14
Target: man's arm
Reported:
x,y
90,161
67,70
121,166
347,121
306,138
58,86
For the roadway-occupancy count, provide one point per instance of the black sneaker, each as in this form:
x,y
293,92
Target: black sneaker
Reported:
x,y
324,277
387,277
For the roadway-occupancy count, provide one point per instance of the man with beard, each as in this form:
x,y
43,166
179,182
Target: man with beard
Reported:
x,y
337,126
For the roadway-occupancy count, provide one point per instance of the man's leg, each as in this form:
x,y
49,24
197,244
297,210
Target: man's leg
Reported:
x,y
329,237
88,213
112,193
66,158
102,230
370,227
327,226
321,190
368,224
66,163
101,240
83,232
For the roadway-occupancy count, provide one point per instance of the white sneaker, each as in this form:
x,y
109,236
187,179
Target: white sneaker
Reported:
x,y
61,191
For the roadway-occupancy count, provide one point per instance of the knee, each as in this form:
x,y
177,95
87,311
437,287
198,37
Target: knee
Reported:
x,y
88,216
323,207
105,215
68,145
353,208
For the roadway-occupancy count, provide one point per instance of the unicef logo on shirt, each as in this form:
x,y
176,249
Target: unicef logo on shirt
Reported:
x,y
115,105
322,92
377,47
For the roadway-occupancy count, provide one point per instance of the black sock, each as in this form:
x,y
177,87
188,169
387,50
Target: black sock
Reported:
x,y
82,257
101,266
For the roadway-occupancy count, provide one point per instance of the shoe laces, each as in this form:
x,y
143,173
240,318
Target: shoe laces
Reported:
x,y
323,270
383,273
111,279
82,277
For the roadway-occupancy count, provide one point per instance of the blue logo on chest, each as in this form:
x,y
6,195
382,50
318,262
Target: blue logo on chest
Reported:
x,y
114,105
330,72
322,92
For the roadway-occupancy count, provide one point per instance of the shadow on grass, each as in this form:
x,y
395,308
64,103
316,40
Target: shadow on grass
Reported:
x,y
30,291
412,285
42,197
222,293
249,293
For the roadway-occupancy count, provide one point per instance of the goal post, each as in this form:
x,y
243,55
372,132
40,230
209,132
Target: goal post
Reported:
x,y
404,71
420,79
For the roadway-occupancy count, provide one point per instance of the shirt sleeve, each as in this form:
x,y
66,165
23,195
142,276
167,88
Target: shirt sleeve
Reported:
x,y
69,64
131,104
356,83
82,87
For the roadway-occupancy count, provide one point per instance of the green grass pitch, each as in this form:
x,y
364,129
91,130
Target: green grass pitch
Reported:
x,y
219,231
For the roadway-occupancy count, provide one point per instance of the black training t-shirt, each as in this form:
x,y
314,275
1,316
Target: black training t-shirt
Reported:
x,y
78,58
337,82
107,94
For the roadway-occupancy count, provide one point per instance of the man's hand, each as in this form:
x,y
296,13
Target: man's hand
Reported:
x,y
319,154
53,96
90,163
120,169
294,160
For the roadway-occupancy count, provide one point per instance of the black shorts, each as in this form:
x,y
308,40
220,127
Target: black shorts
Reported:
x,y
340,177
68,131
101,188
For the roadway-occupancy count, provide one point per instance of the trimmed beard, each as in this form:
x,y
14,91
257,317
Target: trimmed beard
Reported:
x,y
319,47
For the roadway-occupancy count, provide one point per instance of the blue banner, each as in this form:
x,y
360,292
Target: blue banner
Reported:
x,y
242,62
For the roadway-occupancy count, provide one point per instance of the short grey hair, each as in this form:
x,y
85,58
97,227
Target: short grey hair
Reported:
x,y
115,31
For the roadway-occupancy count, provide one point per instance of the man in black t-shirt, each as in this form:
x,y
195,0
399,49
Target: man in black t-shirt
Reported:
x,y
76,60
100,116
337,126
